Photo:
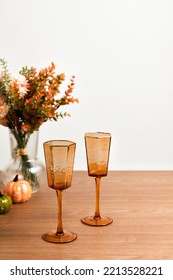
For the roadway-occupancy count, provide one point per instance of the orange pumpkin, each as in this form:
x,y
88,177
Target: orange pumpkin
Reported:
x,y
18,190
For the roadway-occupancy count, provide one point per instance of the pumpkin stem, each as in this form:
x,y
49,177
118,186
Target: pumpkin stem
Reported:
x,y
15,178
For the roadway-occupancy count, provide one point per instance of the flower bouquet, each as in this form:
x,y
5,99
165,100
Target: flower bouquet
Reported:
x,y
27,100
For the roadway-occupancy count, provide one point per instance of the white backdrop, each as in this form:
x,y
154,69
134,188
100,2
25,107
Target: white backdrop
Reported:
x,y
121,52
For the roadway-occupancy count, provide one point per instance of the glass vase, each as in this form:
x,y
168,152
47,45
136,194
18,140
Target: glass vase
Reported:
x,y
24,161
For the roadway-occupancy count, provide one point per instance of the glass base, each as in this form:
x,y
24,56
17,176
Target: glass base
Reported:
x,y
92,221
59,238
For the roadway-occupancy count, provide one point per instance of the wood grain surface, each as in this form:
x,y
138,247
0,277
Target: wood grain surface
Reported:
x,y
140,203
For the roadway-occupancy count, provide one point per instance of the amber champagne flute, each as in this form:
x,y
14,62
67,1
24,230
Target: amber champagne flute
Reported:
x,y
59,158
97,152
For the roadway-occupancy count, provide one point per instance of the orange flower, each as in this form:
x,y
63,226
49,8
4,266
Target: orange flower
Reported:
x,y
51,114
25,127
72,100
28,101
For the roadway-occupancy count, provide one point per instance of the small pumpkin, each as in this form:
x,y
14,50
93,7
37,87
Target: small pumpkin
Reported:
x,y
5,203
19,190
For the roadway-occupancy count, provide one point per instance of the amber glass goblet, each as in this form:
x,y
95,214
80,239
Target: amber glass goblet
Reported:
x,y
59,158
97,152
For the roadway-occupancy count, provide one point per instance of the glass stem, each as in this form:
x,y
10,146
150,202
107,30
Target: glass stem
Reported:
x,y
59,198
97,209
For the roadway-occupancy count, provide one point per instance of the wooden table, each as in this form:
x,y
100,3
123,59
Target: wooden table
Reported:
x,y
140,203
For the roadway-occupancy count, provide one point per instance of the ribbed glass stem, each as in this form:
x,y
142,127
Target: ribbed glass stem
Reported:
x,y
59,198
97,208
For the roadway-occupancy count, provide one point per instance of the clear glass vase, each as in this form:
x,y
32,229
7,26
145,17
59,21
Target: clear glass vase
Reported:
x,y
24,161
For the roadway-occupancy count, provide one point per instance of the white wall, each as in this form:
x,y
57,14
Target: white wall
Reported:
x,y
122,55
